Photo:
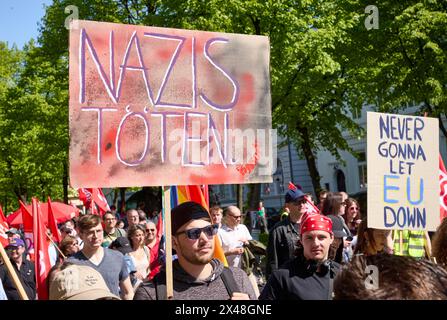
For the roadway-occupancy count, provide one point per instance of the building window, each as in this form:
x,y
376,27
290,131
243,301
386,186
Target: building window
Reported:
x,y
362,171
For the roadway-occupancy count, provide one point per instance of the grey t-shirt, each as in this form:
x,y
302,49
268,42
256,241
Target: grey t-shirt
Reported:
x,y
112,267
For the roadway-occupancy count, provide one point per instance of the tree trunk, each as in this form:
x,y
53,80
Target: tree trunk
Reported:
x,y
240,196
123,199
254,196
21,195
65,183
310,158
115,197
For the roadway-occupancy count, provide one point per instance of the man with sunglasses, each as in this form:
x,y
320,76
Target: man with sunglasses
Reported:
x,y
23,268
156,252
196,274
284,236
233,235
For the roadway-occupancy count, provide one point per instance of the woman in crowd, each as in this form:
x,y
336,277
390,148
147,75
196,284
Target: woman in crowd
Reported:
x,y
372,241
334,208
69,246
352,215
140,254
439,244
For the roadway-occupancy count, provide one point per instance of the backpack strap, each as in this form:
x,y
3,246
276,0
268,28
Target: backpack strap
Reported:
x,y
229,282
160,288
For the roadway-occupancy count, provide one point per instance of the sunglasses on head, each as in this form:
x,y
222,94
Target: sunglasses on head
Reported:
x,y
195,233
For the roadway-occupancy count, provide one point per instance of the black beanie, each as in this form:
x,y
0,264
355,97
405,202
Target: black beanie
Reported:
x,y
185,212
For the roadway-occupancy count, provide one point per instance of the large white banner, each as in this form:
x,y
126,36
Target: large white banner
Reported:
x,y
403,186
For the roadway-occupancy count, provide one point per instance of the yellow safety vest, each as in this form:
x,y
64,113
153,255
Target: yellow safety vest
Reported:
x,y
409,243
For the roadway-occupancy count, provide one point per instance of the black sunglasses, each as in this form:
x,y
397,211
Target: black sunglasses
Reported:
x,y
195,233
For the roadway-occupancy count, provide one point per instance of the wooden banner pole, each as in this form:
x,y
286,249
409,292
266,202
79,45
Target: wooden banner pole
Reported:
x,y
12,273
57,247
168,242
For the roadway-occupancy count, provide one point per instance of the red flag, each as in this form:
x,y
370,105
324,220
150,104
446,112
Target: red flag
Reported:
x,y
311,208
154,258
42,261
443,189
100,200
28,229
85,195
92,196
3,228
292,186
52,223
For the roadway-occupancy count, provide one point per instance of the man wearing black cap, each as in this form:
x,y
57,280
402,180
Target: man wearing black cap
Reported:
x,y
196,275
284,236
23,268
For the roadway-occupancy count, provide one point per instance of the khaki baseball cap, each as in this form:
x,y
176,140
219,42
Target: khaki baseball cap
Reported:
x,y
77,282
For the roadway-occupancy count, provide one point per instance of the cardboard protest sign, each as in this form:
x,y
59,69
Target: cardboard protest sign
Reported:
x,y
403,186
155,106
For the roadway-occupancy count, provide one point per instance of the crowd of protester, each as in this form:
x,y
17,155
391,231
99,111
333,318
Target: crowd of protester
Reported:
x,y
316,251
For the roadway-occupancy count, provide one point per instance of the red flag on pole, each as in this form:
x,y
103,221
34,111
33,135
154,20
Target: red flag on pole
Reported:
x,y
42,259
85,196
100,200
94,196
443,189
52,223
155,263
3,228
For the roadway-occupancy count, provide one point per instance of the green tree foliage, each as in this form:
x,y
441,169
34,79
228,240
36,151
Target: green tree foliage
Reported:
x,y
403,62
33,133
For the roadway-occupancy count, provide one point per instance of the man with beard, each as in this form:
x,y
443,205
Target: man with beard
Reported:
x,y
310,275
196,275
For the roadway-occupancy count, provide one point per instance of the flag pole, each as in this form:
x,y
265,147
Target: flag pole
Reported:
x,y
57,247
13,274
168,242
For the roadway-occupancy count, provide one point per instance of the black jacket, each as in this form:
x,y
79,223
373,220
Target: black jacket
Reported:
x,y
26,276
283,242
298,280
